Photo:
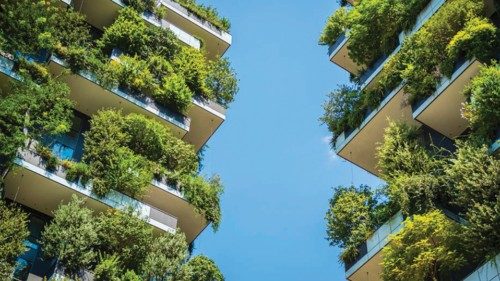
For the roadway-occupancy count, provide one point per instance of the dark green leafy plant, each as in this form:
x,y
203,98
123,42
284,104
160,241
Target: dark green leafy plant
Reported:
x,y
222,81
353,215
342,110
166,255
32,110
478,39
205,196
414,172
474,177
124,234
483,94
199,268
207,13
13,232
71,237
337,24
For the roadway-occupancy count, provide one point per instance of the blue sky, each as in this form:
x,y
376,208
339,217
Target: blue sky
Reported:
x,y
272,153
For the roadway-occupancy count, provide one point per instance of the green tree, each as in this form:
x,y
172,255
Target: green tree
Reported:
x,y
32,110
126,235
222,81
426,248
205,196
199,268
166,255
349,219
414,172
13,232
71,237
191,64
342,110
483,94
475,185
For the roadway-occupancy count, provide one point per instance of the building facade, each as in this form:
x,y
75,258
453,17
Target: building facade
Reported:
x,y
390,59
40,179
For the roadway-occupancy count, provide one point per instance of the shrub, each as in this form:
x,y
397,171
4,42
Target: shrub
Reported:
x,y
126,172
414,172
474,177
78,172
199,268
222,81
353,215
191,64
207,13
337,24
108,269
71,237
157,143
166,255
126,235
478,39
204,196
175,93
128,33
483,94
13,232
342,110
426,248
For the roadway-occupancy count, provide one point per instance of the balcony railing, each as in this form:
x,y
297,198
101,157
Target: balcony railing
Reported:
x,y
490,271
29,159
376,67
142,101
375,243
193,17
181,34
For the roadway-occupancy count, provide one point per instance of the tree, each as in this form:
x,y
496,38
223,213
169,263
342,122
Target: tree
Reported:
x,y
350,219
205,196
483,94
32,110
413,170
126,235
474,177
71,237
13,232
342,110
426,248
166,255
199,268
222,81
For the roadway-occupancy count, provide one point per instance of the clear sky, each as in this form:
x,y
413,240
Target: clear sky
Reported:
x,y
272,153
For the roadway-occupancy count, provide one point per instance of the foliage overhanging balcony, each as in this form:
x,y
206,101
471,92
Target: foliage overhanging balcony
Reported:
x,y
34,186
186,25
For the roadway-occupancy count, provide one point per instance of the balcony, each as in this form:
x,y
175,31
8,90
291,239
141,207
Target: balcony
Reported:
x,y
367,266
185,37
215,40
162,197
489,271
205,117
339,54
187,26
89,97
359,145
442,110
33,186
105,14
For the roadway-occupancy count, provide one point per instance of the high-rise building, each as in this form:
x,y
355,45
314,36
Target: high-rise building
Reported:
x,y
165,62
409,64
